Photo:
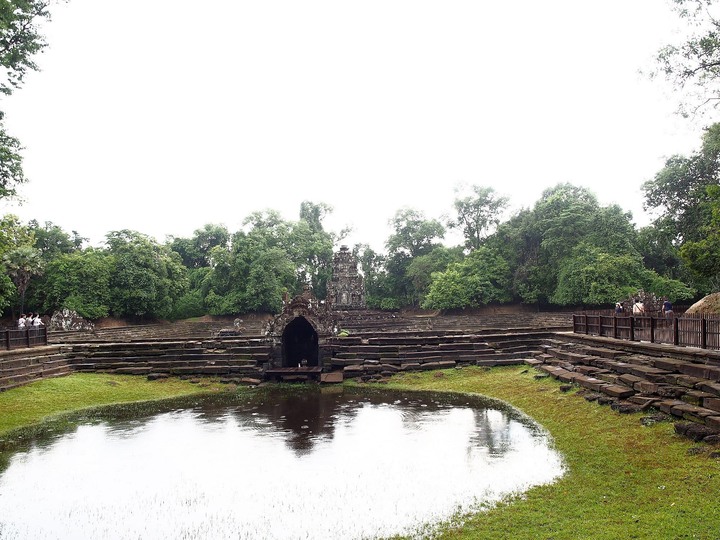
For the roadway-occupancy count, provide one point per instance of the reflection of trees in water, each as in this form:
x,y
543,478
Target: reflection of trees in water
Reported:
x,y
304,414
492,431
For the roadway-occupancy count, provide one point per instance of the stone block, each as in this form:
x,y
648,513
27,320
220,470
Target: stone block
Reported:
x,y
670,364
671,391
695,397
650,373
332,377
701,371
618,391
629,380
643,401
646,387
711,388
667,405
712,403
591,383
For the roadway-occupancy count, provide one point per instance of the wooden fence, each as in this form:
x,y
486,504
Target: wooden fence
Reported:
x,y
29,337
686,331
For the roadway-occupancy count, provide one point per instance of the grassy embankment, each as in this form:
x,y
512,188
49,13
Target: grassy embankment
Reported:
x,y
624,480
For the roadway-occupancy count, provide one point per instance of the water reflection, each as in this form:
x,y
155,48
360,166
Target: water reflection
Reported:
x,y
298,463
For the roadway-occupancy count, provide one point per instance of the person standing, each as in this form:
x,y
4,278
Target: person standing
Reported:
x,y
667,309
21,322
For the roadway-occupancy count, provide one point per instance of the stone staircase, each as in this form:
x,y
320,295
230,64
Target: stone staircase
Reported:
x,y
22,366
685,385
168,331
373,358
224,357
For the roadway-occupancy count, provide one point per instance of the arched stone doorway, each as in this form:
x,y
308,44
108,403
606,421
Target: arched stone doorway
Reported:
x,y
299,342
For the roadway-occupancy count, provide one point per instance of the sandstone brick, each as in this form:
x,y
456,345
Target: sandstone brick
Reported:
x,y
646,387
618,391
712,403
695,370
671,364
332,377
695,397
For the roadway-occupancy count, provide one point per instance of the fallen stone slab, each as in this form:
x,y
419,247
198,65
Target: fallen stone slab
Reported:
x,y
625,407
645,402
711,402
591,383
696,432
332,377
666,405
618,391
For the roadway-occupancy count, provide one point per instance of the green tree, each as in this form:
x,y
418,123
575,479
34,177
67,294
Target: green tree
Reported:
x,y
477,214
692,66
591,276
20,41
79,281
421,268
53,241
678,190
147,278
483,277
21,264
413,234
195,251
538,242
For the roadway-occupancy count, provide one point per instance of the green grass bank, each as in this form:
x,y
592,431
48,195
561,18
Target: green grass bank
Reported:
x,y
623,480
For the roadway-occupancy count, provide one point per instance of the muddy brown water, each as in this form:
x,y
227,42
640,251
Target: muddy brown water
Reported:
x,y
282,463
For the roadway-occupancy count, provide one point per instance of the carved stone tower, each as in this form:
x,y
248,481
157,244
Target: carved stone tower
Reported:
x,y
345,289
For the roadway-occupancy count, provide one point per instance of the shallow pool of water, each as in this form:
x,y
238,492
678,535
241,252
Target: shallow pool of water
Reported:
x,y
298,463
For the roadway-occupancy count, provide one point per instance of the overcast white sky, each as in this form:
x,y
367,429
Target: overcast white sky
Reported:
x,y
164,115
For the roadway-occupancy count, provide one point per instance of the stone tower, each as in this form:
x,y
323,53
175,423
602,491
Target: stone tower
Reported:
x,y
345,289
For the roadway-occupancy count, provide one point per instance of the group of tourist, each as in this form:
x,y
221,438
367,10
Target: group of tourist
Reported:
x,y
31,320
638,308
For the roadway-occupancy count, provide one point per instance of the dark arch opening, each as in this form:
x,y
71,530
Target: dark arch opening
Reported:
x,y
299,342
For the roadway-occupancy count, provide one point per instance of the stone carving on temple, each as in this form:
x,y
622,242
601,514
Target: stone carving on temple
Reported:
x,y
346,289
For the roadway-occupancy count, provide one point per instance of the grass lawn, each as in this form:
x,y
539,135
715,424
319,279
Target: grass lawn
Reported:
x,y
623,480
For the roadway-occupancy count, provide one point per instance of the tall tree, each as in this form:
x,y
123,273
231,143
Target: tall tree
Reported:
x,y
20,41
22,263
413,234
692,66
477,214
147,278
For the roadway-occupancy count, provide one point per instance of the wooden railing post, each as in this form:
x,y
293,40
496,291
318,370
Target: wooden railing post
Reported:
x,y
27,337
614,327
586,322
676,331
632,327
7,339
653,322
703,334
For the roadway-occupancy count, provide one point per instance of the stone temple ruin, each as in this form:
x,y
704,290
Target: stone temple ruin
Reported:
x,y
345,289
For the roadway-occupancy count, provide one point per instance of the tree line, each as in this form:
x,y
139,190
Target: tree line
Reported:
x,y
565,250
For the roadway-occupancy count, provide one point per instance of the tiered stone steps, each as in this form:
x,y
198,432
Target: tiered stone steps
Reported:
x,y
222,357
21,366
168,331
384,355
633,381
